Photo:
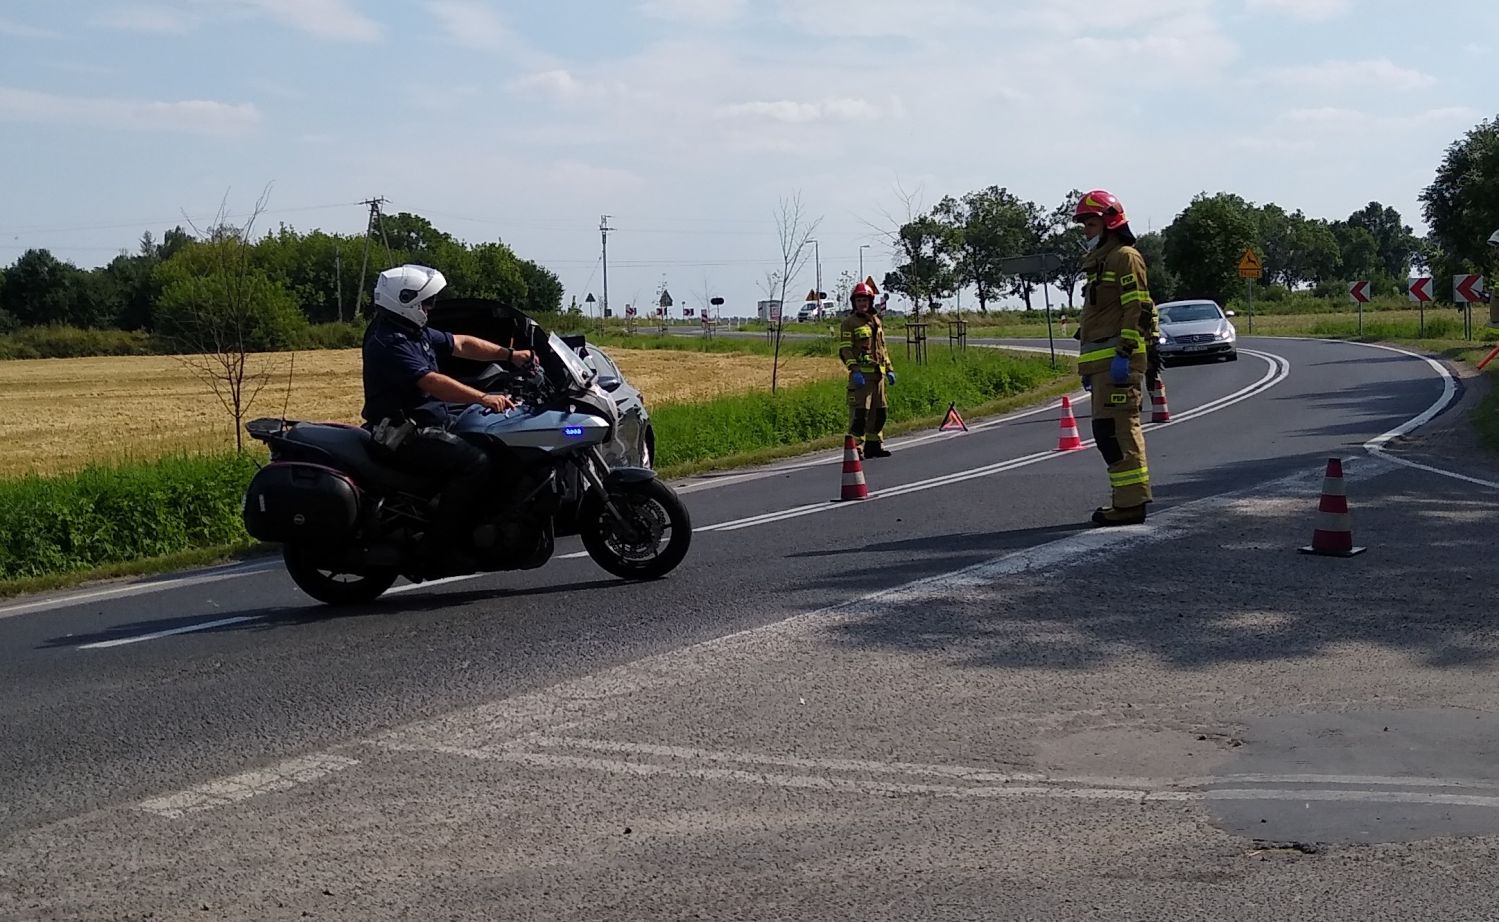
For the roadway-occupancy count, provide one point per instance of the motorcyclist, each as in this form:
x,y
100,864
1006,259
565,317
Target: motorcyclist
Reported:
x,y
406,398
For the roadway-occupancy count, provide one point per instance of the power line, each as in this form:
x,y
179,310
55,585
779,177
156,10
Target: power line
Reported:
x,y
147,222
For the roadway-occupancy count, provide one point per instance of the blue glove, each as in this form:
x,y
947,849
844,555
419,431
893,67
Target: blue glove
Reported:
x,y
1119,370
857,378
889,377
1086,386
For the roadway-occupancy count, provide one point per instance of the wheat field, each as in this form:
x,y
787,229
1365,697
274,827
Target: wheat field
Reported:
x,y
59,415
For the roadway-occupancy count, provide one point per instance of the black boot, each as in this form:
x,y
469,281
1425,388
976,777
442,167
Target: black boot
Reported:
x,y
1111,516
876,450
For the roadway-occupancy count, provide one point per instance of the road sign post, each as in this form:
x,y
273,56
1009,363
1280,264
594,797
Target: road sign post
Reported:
x,y
1039,266
1359,292
1467,290
1419,291
1250,268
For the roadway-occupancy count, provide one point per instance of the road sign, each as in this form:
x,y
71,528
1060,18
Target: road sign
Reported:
x,y
1468,288
1359,291
1419,289
1250,266
1037,264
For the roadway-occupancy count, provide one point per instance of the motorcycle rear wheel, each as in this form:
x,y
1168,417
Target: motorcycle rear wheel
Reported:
x,y
331,587
659,533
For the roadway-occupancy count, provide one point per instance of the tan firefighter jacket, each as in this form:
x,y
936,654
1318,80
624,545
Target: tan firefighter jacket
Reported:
x,y
1119,318
863,344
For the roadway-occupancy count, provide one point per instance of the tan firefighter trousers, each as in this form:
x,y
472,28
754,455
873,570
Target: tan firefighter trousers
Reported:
x,y
1116,427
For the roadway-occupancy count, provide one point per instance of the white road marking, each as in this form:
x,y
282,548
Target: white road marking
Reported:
x,y
155,635
989,786
1279,370
77,598
236,788
1378,445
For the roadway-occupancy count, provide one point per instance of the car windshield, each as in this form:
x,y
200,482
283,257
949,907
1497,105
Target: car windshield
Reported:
x,y
1187,313
608,372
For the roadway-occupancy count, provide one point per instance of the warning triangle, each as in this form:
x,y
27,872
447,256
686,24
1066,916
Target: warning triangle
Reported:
x,y
953,422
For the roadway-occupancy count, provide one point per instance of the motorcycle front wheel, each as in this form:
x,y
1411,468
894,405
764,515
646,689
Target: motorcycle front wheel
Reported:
x,y
329,586
650,542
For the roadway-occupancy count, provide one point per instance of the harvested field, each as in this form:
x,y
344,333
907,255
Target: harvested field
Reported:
x,y
61,414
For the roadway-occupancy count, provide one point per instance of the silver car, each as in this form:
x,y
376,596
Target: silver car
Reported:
x,y
1197,329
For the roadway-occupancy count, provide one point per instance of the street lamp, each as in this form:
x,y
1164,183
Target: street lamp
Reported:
x,y
817,261
862,248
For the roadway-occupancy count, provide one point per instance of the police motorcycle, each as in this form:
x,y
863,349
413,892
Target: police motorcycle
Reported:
x,y
349,522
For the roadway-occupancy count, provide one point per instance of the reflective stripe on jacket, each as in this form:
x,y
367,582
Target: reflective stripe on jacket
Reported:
x,y
1119,316
862,345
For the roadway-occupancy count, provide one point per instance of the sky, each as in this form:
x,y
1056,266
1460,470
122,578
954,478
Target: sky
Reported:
x,y
689,121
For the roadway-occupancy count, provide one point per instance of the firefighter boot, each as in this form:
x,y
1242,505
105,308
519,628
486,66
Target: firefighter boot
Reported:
x,y
1111,515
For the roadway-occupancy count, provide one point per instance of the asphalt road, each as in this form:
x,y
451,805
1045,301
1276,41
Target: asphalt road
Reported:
x,y
952,701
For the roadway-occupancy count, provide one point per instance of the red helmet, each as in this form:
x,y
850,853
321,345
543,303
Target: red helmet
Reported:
x,y
1105,205
861,290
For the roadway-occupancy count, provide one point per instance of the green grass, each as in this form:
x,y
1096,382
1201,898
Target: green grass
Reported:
x,y
749,425
109,515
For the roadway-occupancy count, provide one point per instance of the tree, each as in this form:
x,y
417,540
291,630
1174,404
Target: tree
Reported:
x,y
1394,240
1461,206
39,288
1031,223
927,274
1163,282
217,309
793,231
1358,250
543,287
1204,243
844,287
1064,240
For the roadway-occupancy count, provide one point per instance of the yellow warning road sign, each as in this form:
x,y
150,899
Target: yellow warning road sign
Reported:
x,y
1249,266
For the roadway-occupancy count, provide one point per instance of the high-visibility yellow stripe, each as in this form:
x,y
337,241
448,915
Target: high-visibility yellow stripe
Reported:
x,y
1133,297
1108,277
1131,335
1130,478
1098,355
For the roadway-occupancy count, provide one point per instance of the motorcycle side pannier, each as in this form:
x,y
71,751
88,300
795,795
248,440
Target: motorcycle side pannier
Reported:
x,y
292,501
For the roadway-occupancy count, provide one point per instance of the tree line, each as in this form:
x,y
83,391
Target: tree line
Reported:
x,y
286,279
962,242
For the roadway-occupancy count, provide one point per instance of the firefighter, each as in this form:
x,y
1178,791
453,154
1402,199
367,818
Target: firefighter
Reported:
x,y
1115,329
868,362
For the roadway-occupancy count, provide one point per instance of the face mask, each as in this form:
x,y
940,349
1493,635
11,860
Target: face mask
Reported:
x,y
1091,243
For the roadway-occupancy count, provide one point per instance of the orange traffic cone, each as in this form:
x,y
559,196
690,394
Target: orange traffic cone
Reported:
x,y
853,473
1333,536
1159,412
1070,440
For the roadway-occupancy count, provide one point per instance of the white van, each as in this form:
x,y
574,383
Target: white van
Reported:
x,y
817,310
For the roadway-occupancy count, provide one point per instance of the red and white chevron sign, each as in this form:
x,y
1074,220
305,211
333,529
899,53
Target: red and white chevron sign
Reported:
x,y
1419,289
1359,291
1468,288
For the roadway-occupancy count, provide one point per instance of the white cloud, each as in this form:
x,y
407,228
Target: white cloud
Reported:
x,y
1343,75
709,12
1305,10
21,30
338,20
803,113
559,82
472,23
1356,124
159,19
190,116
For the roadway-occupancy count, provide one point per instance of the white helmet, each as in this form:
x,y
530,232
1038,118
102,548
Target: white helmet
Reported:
x,y
1494,239
407,291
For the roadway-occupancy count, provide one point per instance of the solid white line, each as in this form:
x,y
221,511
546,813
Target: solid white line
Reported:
x,y
235,788
133,589
1378,445
1278,371
188,629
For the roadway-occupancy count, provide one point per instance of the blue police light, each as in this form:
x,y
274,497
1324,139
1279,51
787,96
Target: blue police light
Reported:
x,y
573,431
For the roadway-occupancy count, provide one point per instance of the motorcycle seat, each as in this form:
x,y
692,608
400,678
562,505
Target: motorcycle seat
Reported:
x,y
355,449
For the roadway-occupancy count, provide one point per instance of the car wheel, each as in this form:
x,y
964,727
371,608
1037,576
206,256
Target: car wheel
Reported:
x,y
1233,356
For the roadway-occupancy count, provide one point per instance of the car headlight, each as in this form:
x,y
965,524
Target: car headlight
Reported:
x,y
1227,335
1163,339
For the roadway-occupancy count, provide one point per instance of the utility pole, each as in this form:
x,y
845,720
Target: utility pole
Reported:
x,y
604,230
338,276
369,230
